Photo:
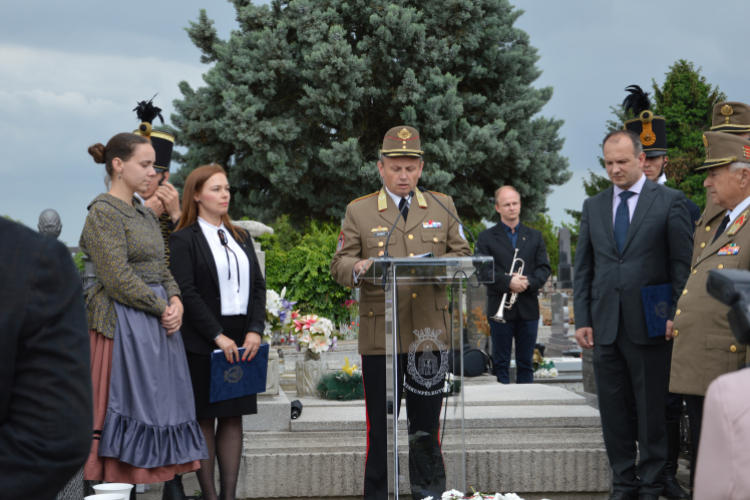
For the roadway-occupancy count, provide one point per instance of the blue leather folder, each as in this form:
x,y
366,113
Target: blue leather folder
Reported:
x,y
238,379
657,304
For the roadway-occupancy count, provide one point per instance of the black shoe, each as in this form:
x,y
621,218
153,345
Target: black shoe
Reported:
x,y
672,489
619,495
647,496
173,489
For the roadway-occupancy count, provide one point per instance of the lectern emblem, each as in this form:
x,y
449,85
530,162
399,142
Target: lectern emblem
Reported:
x,y
430,369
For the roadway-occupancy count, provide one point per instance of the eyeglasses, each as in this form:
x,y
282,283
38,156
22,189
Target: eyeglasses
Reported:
x,y
225,243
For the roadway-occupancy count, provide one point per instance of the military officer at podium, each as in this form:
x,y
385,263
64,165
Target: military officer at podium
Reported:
x,y
424,228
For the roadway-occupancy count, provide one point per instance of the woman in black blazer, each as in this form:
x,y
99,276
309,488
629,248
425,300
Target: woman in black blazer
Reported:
x,y
224,295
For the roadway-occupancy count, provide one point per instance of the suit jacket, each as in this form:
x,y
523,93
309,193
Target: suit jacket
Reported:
x,y
363,235
721,472
705,228
531,249
46,412
704,346
656,252
194,269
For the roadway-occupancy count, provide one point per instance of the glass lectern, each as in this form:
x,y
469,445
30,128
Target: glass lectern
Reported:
x,y
424,345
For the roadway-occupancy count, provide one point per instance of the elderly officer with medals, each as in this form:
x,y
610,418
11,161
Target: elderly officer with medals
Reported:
x,y
425,228
730,118
704,346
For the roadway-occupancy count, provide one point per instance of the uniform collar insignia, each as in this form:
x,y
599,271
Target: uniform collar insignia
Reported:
x,y
382,200
420,198
738,223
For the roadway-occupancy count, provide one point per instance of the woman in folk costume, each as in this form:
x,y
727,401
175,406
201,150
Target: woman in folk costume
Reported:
x,y
145,430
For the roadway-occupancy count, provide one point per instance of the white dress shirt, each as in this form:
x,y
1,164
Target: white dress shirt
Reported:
x,y
234,295
632,201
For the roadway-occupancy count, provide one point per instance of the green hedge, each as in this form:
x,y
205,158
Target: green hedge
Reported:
x,y
300,260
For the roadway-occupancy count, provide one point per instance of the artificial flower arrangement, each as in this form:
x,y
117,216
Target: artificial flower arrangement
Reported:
x,y
314,333
545,369
344,385
457,495
279,313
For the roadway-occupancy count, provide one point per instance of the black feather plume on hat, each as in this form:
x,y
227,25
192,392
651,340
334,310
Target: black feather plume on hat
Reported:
x,y
147,112
637,102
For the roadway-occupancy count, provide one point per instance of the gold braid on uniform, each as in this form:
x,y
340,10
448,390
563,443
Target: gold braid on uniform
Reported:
x,y
165,226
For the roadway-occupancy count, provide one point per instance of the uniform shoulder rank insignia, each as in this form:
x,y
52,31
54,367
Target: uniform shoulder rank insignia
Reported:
x,y
382,201
738,223
431,225
732,249
341,241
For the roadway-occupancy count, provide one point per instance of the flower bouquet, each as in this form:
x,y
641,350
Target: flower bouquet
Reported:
x,y
545,369
279,314
313,333
457,495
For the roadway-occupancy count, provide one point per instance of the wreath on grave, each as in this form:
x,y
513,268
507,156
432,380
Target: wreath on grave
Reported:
x,y
345,385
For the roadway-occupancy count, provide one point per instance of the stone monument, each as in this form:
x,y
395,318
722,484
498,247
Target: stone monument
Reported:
x,y
49,223
564,267
560,340
255,229
308,373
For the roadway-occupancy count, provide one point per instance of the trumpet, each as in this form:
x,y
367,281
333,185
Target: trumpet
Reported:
x,y
503,305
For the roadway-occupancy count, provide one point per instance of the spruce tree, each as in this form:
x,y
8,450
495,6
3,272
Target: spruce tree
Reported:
x,y
686,101
300,96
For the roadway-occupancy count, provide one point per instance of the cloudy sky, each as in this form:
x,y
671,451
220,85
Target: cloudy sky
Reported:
x,y
71,72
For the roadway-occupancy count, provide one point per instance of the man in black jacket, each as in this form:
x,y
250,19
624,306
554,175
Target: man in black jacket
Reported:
x,y
46,413
502,242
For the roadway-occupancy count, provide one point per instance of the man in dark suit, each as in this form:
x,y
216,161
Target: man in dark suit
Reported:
x,y
505,240
634,234
46,413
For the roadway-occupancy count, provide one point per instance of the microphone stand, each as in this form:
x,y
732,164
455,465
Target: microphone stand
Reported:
x,y
477,263
386,265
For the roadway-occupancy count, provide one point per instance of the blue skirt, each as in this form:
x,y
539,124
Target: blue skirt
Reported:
x,y
150,418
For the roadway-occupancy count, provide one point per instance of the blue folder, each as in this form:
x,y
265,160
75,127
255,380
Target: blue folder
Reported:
x,y
657,304
238,379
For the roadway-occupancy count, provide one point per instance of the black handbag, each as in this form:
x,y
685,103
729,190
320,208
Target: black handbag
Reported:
x,y
476,362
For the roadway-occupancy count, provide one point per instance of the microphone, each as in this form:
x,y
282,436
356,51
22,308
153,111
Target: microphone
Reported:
x,y
466,229
476,262
400,214
385,265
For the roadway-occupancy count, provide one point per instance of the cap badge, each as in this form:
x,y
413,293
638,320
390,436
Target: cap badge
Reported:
x,y
647,136
727,110
705,140
404,134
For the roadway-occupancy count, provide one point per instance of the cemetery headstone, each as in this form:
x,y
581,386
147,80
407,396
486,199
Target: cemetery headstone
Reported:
x,y
564,267
560,340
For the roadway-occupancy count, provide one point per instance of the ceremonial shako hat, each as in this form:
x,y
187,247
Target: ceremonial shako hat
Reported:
x,y
731,117
162,142
650,128
723,149
401,141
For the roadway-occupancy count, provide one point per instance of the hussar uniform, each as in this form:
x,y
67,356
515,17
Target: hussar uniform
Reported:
x,y
428,229
163,144
704,347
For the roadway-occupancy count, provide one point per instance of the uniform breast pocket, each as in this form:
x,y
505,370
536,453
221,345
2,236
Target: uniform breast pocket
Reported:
x,y
724,262
435,241
376,245
723,355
